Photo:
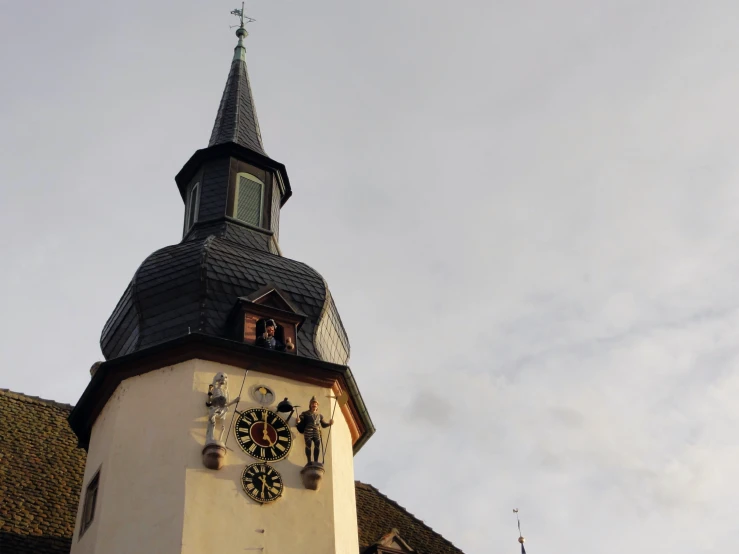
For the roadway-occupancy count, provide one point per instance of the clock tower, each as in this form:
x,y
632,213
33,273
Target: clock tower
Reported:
x,y
225,416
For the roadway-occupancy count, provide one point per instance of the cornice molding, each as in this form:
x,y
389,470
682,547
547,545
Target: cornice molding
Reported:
x,y
204,347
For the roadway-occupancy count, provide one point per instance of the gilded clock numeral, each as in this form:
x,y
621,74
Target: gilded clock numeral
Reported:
x,y
252,448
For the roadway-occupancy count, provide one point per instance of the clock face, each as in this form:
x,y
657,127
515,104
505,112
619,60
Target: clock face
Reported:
x,y
261,482
263,434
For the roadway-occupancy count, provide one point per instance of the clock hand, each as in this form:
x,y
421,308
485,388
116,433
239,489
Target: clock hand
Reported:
x,y
265,435
265,432
264,483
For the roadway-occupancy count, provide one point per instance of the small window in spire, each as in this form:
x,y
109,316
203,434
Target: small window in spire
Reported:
x,y
249,199
193,205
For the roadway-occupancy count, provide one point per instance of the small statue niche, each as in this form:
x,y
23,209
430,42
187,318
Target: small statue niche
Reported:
x,y
271,335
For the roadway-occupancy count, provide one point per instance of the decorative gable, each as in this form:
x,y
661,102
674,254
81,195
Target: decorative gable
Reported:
x,y
390,543
267,307
272,297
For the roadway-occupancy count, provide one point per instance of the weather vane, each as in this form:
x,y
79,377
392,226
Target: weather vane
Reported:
x,y
241,15
521,540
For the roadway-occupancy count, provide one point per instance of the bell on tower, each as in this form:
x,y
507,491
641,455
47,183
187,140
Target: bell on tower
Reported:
x,y
205,338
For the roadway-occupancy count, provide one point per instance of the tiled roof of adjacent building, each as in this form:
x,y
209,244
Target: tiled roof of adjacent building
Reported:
x,y
377,515
40,475
41,471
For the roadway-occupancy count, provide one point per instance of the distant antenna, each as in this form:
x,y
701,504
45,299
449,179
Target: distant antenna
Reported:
x,y
521,540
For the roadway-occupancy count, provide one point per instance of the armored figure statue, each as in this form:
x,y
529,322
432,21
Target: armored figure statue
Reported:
x,y
309,423
270,335
217,404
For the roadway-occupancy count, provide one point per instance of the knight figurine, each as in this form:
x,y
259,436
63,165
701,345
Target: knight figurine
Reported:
x,y
309,423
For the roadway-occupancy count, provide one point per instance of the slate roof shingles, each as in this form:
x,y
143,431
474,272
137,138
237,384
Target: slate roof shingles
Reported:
x,y
193,286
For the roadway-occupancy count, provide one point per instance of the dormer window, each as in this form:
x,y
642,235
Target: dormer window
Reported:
x,y
248,199
269,307
193,205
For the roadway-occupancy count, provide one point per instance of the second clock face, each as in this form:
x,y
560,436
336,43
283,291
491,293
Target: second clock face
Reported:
x,y
263,434
261,482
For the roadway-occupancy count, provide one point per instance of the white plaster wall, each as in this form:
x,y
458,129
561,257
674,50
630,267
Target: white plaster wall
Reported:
x,y
96,458
345,502
156,496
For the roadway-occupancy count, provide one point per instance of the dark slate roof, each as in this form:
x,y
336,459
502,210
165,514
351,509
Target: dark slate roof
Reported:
x,y
236,120
377,515
40,475
41,472
194,285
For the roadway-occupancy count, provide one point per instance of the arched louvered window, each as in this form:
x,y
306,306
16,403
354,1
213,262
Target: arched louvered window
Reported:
x,y
193,205
249,199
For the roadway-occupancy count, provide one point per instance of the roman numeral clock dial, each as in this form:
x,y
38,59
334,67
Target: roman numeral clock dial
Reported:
x,y
263,434
261,482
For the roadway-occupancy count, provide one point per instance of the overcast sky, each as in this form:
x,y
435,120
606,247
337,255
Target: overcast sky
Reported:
x,y
527,212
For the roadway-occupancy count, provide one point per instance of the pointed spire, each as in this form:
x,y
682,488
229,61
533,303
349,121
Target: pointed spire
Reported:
x,y
237,115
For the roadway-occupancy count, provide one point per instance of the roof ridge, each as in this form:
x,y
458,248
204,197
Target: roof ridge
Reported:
x,y
34,399
367,486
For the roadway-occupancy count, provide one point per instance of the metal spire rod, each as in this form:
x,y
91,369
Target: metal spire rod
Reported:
x,y
240,51
241,13
521,540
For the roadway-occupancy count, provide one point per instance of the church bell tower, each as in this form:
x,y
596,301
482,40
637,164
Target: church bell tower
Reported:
x,y
224,417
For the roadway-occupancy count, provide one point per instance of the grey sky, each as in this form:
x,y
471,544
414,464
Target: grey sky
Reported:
x,y
527,213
